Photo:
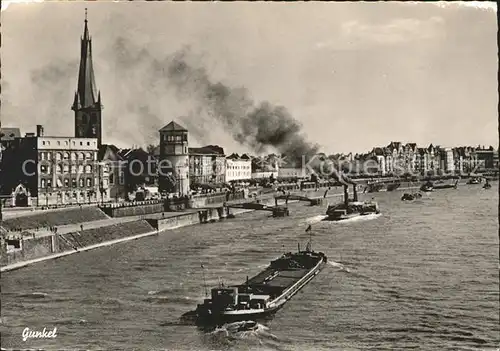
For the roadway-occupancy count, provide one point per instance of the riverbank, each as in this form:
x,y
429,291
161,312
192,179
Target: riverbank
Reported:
x,y
44,245
48,245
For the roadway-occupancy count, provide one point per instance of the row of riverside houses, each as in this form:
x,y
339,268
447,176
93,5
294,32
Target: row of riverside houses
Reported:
x,y
411,159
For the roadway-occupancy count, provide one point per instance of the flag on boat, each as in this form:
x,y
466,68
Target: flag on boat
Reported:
x,y
309,228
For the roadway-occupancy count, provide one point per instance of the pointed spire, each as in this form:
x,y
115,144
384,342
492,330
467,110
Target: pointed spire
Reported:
x,y
86,82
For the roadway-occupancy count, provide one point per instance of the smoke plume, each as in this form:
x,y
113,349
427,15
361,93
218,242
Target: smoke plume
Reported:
x,y
260,126
141,92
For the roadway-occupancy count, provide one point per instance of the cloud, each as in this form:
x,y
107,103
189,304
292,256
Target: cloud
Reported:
x,y
6,3
396,31
482,5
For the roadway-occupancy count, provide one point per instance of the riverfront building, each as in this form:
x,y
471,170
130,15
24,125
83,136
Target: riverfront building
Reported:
x,y
54,170
173,162
238,168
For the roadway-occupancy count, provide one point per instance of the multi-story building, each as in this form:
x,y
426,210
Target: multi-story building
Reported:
x,y
378,155
115,166
465,159
56,170
207,165
446,160
140,169
238,168
485,157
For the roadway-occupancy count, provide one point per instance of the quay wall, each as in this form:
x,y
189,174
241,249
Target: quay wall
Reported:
x,y
137,210
33,248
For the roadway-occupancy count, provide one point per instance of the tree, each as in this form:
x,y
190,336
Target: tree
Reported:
x,y
150,149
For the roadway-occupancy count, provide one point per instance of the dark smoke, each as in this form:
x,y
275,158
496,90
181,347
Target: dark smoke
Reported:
x,y
260,127
145,92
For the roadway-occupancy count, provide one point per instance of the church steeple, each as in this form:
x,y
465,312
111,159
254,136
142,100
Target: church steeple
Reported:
x,y
87,100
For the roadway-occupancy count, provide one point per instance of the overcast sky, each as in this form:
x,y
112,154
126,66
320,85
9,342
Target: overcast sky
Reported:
x,y
356,75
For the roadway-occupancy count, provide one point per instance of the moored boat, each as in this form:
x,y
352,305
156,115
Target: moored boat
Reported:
x,y
351,208
393,186
428,186
487,185
474,180
410,197
374,187
262,295
444,185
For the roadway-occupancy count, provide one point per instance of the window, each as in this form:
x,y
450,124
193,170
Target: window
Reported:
x,y
73,143
89,182
121,178
43,142
59,169
73,182
73,168
66,156
88,143
66,182
42,155
43,183
111,179
80,169
89,156
58,143
65,169
81,183
49,183
185,137
58,156
81,143
49,156
82,156
73,156
43,169
88,169
66,143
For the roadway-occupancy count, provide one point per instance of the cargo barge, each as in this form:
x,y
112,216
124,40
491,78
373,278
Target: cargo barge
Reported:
x,y
264,294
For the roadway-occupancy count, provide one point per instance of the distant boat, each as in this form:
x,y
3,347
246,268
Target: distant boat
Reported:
x,y
427,186
410,197
474,180
393,186
374,187
443,185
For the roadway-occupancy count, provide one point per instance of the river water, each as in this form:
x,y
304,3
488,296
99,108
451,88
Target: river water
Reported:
x,y
423,275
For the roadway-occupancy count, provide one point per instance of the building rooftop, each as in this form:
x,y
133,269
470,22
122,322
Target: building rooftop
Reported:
x,y
207,150
173,126
9,134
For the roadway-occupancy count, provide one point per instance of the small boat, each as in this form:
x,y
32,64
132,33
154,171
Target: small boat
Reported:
x,y
374,187
393,186
427,186
410,197
444,185
487,185
351,208
474,180
264,294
